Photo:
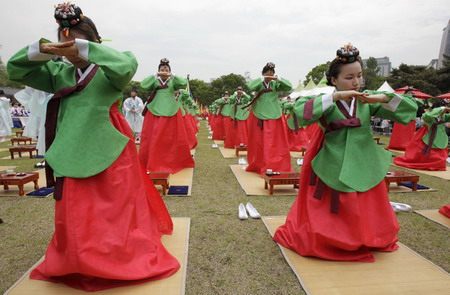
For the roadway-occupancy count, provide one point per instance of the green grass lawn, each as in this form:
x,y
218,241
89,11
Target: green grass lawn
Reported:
x,y
226,255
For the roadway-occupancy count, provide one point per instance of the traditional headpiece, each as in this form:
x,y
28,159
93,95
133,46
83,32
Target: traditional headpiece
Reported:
x,y
348,54
68,15
240,88
270,66
164,62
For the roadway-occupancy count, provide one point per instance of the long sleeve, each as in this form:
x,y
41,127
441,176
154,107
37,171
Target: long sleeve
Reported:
x,y
283,85
149,83
255,85
309,109
35,69
401,109
179,82
119,67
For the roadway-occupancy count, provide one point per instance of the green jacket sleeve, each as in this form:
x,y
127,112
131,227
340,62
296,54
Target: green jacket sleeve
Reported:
x,y
149,83
39,73
119,67
283,85
401,109
309,109
255,85
179,82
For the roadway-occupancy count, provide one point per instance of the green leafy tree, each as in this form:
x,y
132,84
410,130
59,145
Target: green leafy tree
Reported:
x,y
443,78
141,92
420,77
228,83
316,73
201,91
370,73
4,81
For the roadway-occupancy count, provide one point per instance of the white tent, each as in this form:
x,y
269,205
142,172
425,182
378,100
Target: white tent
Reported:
x,y
386,87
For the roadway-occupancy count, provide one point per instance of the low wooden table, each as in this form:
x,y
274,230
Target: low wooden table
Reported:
x,y
20,181
23,139
19,133
240,148
279,179
400,176
377,139
160,178
22,148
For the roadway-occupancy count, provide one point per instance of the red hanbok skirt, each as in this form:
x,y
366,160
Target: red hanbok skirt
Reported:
x,y
108,227
267,147
445,210
237,134
219,127
164,144
401,135
414,159
191,130
365,221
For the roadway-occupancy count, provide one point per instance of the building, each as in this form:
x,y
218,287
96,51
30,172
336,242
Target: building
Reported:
x,y
384,64
445,46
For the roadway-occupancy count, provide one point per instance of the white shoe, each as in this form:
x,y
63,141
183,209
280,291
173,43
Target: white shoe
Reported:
x,y
242,213
214,146
299,162
401,207
448,160
252,211
242,161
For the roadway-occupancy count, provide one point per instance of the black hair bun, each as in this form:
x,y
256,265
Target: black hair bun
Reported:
x,y
347,53
68,14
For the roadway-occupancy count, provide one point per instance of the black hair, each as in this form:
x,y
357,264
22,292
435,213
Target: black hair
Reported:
x,y
85,27
335,69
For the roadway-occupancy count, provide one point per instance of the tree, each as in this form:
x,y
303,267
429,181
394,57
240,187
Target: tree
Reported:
x,y
4,81
201,91
228,83
370,73
316,73
443,78
420,77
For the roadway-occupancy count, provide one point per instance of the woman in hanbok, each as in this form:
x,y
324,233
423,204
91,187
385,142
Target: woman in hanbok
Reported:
x,y
428,149
268,145
237,128
342,211
164,142
133,107
6,123
109,218
223,117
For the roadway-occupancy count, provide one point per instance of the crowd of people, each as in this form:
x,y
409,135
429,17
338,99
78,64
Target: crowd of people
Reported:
x,y
109,216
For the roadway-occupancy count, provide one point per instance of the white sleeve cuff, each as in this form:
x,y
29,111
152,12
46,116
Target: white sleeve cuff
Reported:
x,y
327,101
34,53
392,105
83,48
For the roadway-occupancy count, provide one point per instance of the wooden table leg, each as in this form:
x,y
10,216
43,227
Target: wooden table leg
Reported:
x,y
265,184
36,186
31,154
164,188
20,154
237,153
12,155
21,191
271,189
387,185
5,187
414,188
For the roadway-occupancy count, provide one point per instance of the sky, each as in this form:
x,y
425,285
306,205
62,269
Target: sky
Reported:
x,y
210,38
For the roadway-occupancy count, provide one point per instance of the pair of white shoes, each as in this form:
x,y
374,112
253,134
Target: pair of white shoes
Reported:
x,y
251,211
242,161
397,207
214,146
299,162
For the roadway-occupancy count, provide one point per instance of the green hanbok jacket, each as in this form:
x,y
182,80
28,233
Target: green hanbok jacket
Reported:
x,y
267,105
163,104
349,159
86,143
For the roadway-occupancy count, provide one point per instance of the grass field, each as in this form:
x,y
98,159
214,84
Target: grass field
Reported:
x,y
226,255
